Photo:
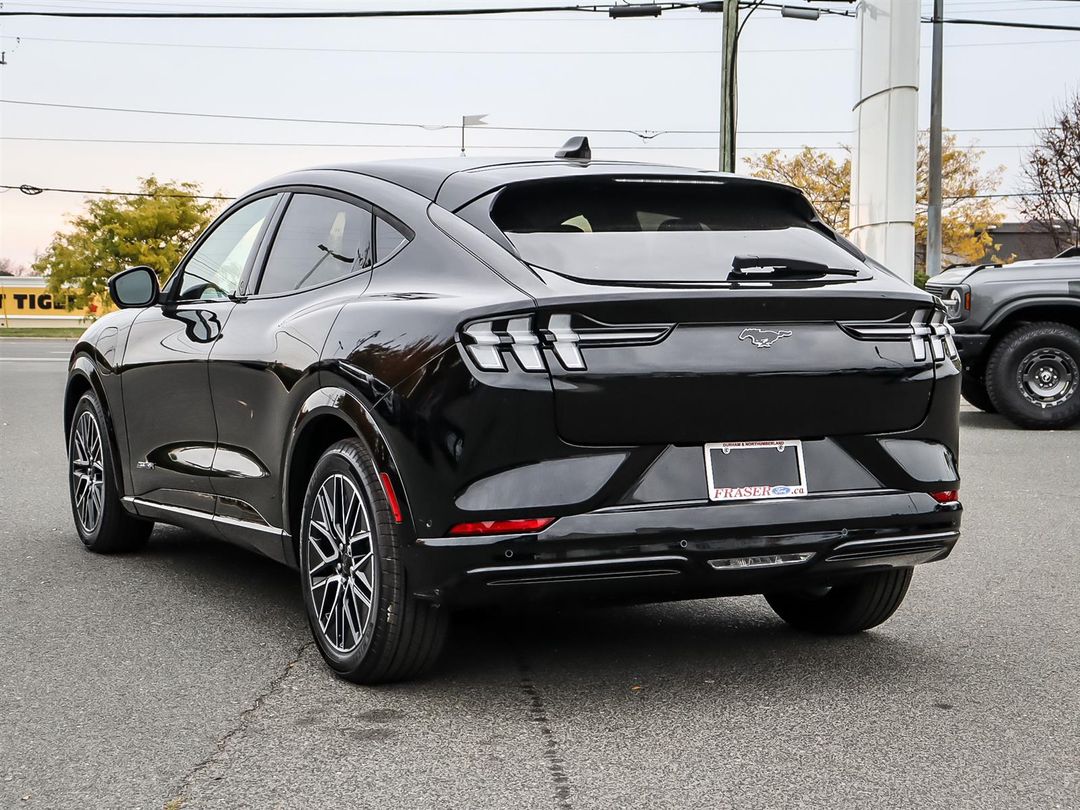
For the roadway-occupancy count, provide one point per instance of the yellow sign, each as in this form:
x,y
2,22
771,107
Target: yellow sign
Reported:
x,y
38,302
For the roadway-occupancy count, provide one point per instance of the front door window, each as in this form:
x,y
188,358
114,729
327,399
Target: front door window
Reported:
x,y
214,271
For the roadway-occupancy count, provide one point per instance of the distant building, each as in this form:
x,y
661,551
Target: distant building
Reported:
x,y
1026,240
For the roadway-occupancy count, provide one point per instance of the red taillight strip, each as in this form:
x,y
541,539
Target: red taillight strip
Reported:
x,y
946,496
501,526
391,496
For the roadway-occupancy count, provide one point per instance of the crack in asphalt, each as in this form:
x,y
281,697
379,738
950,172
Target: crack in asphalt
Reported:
x,y
538,714
241,723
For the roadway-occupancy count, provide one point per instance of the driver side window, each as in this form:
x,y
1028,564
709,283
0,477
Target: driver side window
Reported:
x,y
213,272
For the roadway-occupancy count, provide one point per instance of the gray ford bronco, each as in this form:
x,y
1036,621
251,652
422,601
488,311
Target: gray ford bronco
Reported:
x,y
1018,334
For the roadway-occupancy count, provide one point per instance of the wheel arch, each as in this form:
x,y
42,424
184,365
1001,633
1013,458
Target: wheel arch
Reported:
x,y
1058,308
83,378
325,417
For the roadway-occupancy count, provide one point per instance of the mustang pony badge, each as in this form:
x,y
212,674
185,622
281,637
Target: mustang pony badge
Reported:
x,y
763,338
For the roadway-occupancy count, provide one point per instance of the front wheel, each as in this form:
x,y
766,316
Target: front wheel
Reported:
x,y
849,607
367,625
1033,375
100,519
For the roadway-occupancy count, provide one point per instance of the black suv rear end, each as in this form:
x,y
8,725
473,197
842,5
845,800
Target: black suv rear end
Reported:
x,y
693,331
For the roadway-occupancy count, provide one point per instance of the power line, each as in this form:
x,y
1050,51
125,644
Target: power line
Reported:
x,y
455,146
406,51
645,134
516,52
1008,24
33,191
421,51
238,117
599,8
302,15
591,8
1028,6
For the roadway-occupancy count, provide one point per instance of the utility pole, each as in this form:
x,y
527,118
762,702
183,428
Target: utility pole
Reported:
x,y
728,98
933,211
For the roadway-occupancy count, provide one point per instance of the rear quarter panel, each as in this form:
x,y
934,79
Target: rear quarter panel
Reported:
x,y
395,349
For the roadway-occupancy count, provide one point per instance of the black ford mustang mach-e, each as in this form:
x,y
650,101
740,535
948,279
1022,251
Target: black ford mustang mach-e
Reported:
x,y
429,384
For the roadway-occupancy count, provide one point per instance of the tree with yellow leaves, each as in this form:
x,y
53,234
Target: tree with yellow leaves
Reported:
x,y
154,228
967,214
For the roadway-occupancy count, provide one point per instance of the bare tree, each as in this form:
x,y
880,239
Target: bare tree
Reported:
x,y
1052,171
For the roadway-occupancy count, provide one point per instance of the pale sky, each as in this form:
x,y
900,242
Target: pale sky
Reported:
x,y
582,72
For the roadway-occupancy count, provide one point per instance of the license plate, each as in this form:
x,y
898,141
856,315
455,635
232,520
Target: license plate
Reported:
x,y
741,471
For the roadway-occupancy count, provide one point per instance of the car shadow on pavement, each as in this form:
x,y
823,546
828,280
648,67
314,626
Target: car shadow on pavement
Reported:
x,y
716,641
722,640
220,569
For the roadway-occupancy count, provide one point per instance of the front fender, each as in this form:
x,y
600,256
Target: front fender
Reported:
x,y
85,374
1029,302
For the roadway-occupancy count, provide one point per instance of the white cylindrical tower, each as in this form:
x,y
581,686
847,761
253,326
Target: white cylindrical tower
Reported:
x,y
886,133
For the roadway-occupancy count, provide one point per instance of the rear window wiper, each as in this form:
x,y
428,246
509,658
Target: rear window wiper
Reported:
x,y
743,267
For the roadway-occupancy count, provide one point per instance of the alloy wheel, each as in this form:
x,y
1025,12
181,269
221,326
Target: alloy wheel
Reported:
x,y
88,472
342,570
1047,377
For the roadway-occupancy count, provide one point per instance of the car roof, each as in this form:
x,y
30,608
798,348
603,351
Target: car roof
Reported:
x,y
454,182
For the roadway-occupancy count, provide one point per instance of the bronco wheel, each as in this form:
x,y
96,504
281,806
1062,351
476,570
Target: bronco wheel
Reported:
x,y
849,607
368,627
973,389
100,519
1034,373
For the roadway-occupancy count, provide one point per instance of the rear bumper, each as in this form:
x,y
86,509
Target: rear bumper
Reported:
x,y
674,551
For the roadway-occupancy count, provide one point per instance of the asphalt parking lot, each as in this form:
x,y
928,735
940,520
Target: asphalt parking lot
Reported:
x,y
184,674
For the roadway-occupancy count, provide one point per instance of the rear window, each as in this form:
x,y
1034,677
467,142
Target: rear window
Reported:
x,y
657,229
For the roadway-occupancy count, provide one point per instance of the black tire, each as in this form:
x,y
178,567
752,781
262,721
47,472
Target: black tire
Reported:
x,y
1014,375
849,607
106,528
973,389
398,636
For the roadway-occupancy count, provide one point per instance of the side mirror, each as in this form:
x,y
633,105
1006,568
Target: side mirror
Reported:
x,y
134,287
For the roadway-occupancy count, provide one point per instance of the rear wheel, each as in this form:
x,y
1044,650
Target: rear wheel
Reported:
x,y
850,607
1033,375
973,389
100,519
368,627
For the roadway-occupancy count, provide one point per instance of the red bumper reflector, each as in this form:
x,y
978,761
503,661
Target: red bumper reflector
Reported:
x,y
946,496
388,488
502,526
